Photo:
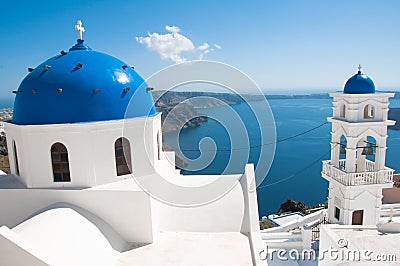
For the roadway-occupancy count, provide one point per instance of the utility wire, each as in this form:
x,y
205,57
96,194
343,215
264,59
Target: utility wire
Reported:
x,y
299,171
274,142
257,146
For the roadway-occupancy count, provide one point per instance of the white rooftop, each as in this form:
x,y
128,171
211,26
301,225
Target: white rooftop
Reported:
x,y
73,241
186,248
374,247
10,182
369,238
285,218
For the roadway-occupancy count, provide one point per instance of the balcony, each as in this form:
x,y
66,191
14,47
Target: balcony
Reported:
x,y
369,177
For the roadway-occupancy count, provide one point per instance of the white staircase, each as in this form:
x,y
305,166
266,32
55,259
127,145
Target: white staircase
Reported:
x,y
283,240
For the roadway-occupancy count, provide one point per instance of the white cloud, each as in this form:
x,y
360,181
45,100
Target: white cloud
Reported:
x,y
168,46
172,44
173,29
204,46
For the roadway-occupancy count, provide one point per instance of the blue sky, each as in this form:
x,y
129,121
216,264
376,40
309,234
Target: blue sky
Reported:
x,y
280,44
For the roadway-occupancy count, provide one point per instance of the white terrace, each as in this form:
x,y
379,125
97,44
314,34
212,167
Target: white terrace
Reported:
x,y
369,177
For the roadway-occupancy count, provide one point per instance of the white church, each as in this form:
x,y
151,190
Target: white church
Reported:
x,y
91,185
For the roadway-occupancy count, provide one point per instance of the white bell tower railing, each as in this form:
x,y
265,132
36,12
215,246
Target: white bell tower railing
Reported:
x,y
368,177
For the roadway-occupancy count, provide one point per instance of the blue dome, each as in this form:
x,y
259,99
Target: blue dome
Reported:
x,y
81,86
359,84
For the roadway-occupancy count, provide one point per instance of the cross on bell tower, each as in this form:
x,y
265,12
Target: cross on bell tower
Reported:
x,y
356,177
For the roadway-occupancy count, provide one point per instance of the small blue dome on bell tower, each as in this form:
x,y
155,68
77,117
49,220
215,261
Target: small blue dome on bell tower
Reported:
x,y
359,84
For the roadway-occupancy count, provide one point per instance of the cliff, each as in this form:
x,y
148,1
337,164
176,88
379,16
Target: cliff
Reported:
x,y
176,117
180,107
4,163
3,144
201,99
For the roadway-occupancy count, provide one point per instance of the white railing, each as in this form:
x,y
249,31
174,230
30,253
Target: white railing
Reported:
x,y
369,166
369,177
342,165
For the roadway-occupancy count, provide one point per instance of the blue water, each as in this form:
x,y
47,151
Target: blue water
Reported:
x,y
6,103
296,168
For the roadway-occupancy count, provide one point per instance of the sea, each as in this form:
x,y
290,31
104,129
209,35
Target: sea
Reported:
x,y
295,172
6,103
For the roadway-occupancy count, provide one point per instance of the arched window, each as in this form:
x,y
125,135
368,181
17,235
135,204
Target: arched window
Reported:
x,y
60,163
123,156
343,111
158,146
369,111
16,158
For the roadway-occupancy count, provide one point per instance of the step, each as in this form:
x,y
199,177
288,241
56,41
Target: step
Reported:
x,y
280,235
284,243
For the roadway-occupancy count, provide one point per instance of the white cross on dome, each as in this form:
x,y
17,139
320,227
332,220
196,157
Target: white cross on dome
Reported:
x,y
80,29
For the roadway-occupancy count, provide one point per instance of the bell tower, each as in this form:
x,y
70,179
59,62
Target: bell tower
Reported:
x,y
357,172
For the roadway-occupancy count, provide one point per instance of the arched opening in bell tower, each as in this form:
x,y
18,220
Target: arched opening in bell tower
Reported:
x,y
366,147
369,111
342,153
370,149
343,111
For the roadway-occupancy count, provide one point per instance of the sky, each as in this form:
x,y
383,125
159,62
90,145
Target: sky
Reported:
x,y
288,44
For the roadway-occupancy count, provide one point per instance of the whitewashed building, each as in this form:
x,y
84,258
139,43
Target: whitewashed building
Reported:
x,y
91,185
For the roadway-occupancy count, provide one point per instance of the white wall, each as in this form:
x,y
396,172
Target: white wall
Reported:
x,y
327,241
222,215
250,222
129,213
90,150
236,211
355,104
352,198
80,242
15,252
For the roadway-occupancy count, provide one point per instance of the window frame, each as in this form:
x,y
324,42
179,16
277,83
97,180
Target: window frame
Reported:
x,y
337,213
123,156
159,143
369,111
60,163
16,163
342,111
